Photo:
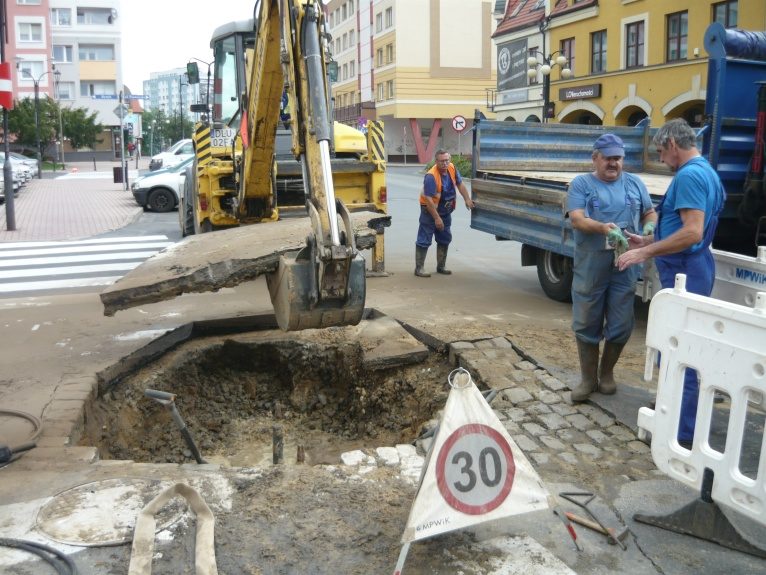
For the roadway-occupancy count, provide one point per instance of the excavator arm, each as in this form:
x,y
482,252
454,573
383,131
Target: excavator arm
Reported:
x,y
322,284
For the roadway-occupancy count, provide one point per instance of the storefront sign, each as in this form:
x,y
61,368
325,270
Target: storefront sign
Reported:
x,y
512,65
580,92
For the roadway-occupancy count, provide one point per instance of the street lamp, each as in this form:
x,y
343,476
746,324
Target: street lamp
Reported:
x,y
181,101
548,62
57,81
36,81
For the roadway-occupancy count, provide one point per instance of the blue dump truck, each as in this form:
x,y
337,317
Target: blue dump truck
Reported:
x,y
521,172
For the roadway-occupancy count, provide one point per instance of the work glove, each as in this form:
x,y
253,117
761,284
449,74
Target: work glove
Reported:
x,y
648,229
617,240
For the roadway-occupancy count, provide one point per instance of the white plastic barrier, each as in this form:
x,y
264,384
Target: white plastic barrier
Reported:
x,y
726,344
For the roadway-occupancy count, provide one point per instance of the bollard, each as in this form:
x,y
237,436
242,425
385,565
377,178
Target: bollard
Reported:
x,y
301,458
277,444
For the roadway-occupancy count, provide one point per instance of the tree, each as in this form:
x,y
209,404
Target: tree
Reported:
x,y
21,121
81,128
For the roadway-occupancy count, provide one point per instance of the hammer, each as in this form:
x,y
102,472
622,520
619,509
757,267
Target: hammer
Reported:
x,y
613,536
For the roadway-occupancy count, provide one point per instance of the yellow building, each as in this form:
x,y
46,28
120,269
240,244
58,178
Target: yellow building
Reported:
x,y
629,59
417,65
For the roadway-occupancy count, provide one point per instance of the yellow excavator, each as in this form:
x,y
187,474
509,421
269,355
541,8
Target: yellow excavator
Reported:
x,y
282,55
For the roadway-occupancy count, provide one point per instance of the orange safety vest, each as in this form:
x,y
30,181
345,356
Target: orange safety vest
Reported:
x,y
434,171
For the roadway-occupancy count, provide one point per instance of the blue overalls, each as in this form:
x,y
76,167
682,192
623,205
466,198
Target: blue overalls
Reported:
x,y
602,295
699,268
427,228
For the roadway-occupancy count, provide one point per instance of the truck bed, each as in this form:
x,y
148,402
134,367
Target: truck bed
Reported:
x,y
657,184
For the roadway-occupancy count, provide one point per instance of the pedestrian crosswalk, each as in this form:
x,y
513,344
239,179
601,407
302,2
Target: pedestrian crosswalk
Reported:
x,y
66,265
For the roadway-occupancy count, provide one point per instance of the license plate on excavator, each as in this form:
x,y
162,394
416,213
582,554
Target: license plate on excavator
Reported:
x,y
293,290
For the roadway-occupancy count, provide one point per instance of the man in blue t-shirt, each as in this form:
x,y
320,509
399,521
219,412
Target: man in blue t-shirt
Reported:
x,y
601,205
688,217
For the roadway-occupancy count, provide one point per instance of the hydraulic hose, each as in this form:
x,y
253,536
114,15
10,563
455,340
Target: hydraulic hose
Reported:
x,y
59,561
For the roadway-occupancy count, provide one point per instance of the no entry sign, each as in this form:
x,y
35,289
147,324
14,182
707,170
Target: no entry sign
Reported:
x,y
475,469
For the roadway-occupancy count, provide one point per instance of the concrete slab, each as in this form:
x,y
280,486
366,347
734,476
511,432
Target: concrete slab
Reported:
x,y
207,262
387,344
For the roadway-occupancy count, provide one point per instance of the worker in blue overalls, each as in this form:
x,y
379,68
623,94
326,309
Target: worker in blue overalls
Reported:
x,y
688,218
603,205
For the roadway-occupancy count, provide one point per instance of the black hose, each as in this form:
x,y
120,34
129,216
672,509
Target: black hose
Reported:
x,y
31,442
60,562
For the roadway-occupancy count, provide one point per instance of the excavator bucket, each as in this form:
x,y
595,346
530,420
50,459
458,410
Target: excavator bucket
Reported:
x,y
297,304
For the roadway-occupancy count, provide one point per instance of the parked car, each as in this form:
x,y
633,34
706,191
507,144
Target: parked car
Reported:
x,y
31,163
21,174
159,191
176,153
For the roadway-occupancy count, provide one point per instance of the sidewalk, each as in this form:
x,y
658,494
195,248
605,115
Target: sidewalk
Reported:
x,y
52,209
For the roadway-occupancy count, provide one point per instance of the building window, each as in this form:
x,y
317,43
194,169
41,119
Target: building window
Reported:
x,y
62,54
29,32
678,35
389,17
598,52
567,48
98,52
379,22
380,92
389,53
379,57
332,20
345,41
352,68
351,95
726,13
30,2
534,52
345,71
351,8
91,89
29,69
634,44
65,91
351,39
344,11
95,16
337,45
61,17
390,89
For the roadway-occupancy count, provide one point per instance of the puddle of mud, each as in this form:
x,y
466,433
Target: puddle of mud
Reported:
x,y
232,391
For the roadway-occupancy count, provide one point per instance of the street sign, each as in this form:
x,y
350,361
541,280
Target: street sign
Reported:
x,y
121,110
458,124
6,86
136,97
475,469
105,97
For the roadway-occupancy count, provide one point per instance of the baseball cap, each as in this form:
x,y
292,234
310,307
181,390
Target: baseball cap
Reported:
x,y
609,145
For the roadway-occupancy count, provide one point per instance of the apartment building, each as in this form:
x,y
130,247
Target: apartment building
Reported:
x,y
627,60
71,50
416,65
171,92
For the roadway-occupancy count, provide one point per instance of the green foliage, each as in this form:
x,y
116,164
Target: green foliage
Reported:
x,y
462,163
21,121
80,127
161,128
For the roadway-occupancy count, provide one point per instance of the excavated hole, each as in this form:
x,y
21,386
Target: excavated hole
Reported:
x,y
231,392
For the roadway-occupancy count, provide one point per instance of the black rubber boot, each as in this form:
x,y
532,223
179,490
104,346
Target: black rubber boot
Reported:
x,y
606,383
420,261
588,353
441,259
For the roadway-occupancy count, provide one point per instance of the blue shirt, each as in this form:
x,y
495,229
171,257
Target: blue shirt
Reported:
x,y
622,202
696,186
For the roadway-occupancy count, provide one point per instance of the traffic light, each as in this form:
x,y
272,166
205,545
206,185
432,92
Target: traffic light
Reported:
x,y
192,72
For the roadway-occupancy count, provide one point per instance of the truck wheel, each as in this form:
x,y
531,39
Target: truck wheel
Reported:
x,y
555,274
162,200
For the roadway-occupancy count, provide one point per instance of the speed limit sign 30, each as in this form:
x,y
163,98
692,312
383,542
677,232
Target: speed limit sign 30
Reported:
x,y
475,469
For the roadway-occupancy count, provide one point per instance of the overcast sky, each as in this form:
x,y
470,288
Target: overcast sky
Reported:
x,y
159,35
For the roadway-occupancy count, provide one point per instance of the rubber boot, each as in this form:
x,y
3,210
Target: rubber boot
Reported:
x,y
441,259
612,351
588,353
420,261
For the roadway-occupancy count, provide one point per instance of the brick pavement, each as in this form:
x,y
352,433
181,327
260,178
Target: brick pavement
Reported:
x,y
78,205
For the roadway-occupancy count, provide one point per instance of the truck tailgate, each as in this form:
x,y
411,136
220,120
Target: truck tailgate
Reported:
x,y
225,258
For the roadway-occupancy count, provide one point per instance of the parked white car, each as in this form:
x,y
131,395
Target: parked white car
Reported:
x,y
30,163
158,191
176,153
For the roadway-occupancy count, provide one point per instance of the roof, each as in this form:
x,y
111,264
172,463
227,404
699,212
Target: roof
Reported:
x,y
520,14
562,6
